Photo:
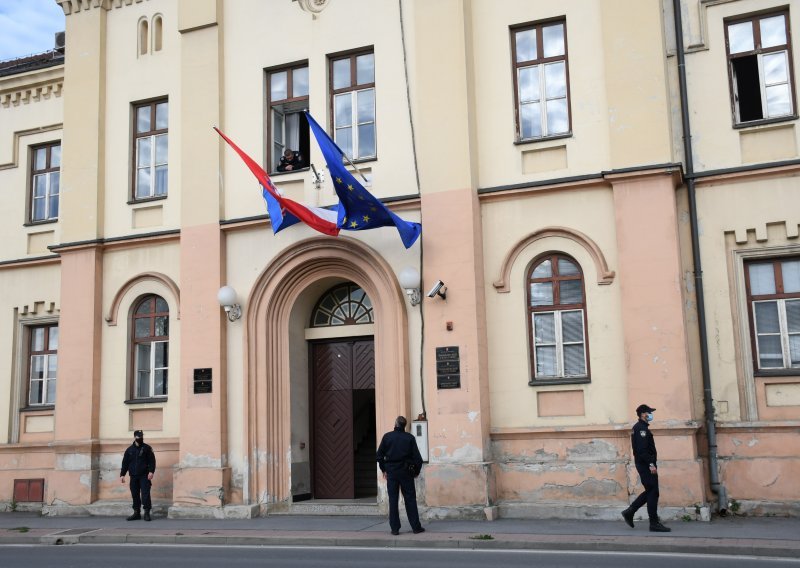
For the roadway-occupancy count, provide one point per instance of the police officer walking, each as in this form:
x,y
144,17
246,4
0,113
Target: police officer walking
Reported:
x,y
140,461
400,461
646,461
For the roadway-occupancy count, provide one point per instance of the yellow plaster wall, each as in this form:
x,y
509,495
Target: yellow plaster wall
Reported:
x,y
31,114
30,290
118,268
248,51
716,143
507,222
153,75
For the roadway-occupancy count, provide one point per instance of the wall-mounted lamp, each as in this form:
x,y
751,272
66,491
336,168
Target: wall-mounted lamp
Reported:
x,y
227,299
409,280
439,289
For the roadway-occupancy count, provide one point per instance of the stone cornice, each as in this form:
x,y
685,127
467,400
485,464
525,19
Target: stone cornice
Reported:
x,y
75,6
33,86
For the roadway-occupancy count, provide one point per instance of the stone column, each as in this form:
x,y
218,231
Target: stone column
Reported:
x,y
655,326
202,477
75,476
458,479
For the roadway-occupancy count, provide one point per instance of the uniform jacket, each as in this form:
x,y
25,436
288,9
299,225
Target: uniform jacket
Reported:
x,y
396,449
138,461
296,162
644,446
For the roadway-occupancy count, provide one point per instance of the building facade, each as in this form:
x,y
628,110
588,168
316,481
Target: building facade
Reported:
x,y
541,147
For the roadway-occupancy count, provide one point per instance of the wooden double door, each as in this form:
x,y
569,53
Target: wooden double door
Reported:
x,y
343,419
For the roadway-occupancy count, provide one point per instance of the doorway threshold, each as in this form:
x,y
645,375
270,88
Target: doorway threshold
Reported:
x,y
364,506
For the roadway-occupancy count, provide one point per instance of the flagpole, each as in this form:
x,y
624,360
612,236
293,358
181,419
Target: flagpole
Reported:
x,y
346,157
349,161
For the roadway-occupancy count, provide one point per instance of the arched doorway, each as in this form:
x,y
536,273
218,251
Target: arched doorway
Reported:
x,y
342,377
267,410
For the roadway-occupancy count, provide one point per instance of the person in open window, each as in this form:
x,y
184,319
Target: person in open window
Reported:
x,y
291,160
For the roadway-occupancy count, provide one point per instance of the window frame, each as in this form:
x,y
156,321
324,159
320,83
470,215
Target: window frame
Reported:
x,y
48,171
353,88
759,51
365,303
151,340
557,309
780,297
290,98
46,353
153,133
540,61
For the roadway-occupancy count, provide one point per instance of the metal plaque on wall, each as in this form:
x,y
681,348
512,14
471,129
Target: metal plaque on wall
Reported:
x,y
202,381
448,368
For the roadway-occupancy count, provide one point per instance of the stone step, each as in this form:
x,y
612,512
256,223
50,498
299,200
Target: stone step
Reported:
x,y
357,507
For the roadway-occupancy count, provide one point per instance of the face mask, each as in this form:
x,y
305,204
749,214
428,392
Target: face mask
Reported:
x,y
649,417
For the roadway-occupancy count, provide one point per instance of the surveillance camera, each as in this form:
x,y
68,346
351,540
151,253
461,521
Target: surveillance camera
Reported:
x,y
438,289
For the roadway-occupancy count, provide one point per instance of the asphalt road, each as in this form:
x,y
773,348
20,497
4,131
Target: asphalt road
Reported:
x,y
90,556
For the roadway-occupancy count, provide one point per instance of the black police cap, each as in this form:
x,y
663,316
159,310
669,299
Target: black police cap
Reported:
x,y
644,408
138,434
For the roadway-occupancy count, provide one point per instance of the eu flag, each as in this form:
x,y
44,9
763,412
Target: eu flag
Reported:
x,y
359,210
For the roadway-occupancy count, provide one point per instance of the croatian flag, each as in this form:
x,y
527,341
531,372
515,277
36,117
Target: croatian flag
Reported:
x,y
284,212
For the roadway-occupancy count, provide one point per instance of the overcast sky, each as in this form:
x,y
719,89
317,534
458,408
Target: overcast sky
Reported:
x,y
28,26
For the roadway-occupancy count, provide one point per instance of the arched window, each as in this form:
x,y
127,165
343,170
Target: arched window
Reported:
x,y
557,318
150,347
143,37
345,304
157,33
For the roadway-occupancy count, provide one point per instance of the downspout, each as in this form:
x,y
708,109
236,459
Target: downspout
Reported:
x,y
708,401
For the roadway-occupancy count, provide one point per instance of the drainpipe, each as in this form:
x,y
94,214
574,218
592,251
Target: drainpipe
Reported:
x,y
708,401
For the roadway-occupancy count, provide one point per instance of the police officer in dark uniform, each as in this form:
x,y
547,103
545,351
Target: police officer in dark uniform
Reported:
x,y
140,461
646,461
400,461
291,160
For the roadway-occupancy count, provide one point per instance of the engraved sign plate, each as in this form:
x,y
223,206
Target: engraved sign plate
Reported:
x,y
202,381
448,368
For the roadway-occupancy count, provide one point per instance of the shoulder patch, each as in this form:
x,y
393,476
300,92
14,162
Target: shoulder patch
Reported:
x,y
642,433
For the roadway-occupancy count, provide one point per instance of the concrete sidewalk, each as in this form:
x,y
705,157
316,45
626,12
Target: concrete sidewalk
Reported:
x,y
770,536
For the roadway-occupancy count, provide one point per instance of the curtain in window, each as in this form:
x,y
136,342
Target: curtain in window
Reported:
x,y
293,131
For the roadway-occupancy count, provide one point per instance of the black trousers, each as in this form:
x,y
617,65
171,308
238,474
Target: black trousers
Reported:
x,y
650,493
397,481
140,491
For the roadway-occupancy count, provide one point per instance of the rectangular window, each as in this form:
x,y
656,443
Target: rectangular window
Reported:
x,y
760,67
352,89
43,365
541,79
287,98
773,289
150,149
559,345
45,182
151,369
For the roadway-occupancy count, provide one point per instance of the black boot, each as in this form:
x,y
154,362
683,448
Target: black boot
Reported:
x,y
147,514
656,526
627,514
135,516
